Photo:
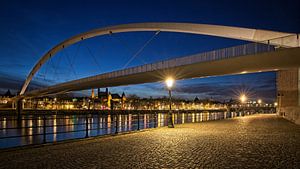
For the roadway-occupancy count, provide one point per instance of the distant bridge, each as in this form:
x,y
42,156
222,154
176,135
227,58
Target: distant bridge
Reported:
x,y
255,57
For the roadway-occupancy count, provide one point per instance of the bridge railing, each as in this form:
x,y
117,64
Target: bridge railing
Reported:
x,y
284,42
52,128
226,53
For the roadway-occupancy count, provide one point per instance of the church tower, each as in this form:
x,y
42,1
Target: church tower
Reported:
x,y
93,94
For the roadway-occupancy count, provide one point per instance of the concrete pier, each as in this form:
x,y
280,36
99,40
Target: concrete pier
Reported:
x,y
288,94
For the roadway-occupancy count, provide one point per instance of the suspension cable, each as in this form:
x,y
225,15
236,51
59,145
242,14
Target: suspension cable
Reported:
x,y
46,71
93,56
70,62
76,52
130,50
56,67
141,49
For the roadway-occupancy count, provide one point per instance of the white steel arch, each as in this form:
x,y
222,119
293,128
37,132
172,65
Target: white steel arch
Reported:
x,y
254,35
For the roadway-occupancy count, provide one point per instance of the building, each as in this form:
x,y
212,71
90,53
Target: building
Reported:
x,y
111,101
6,99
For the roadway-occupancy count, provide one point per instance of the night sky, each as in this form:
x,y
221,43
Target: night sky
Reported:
x,y
30,28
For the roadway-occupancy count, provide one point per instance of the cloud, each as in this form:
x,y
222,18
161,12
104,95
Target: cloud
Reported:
x,y
261,85
14,83
257,86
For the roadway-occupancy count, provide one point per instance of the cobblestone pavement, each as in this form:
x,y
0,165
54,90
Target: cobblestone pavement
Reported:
x,y
257,141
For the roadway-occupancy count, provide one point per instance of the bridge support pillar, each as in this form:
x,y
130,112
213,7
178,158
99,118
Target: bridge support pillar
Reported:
x,y
19,108
288,94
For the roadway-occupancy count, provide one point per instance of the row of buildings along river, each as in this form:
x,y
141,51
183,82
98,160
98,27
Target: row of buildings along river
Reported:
x,y
104,100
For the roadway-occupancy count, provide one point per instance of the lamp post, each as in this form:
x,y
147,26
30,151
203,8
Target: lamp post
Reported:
x,y
275,106
55,99
259,101
243,99
169,83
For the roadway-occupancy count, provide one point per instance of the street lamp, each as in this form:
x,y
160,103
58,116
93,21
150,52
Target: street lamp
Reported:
x,y
170,82
259,101
55,99
243,99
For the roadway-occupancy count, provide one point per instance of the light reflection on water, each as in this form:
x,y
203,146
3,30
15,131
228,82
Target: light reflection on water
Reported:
x,y
62,127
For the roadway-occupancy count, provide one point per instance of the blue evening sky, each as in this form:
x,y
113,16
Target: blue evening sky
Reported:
x,y
30,28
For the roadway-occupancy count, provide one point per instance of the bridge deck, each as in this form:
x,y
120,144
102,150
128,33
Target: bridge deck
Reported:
x,y
189,67
247,58
258,141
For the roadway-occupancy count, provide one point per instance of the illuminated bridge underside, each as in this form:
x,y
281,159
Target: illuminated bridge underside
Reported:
x,y
254,35
181,68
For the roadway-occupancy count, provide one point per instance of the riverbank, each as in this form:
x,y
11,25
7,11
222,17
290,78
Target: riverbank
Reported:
x,y
258,141
12,112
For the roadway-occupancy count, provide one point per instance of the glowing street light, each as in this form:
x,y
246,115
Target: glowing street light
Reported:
x,y
170,82
243,98
259,101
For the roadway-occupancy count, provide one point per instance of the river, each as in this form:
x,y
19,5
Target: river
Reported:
x,y
31,128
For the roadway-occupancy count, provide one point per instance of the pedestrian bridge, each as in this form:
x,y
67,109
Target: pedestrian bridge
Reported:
x,y
235,60
270,51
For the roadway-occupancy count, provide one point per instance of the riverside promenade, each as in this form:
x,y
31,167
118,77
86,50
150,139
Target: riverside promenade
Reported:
x,y
257,141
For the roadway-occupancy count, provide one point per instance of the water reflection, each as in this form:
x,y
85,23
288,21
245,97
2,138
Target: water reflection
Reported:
x,y
62,127
55,128
145,121
108,124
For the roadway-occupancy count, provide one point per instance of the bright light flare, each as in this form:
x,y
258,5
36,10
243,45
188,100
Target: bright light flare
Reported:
x,y
169,82
259,101
243,98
